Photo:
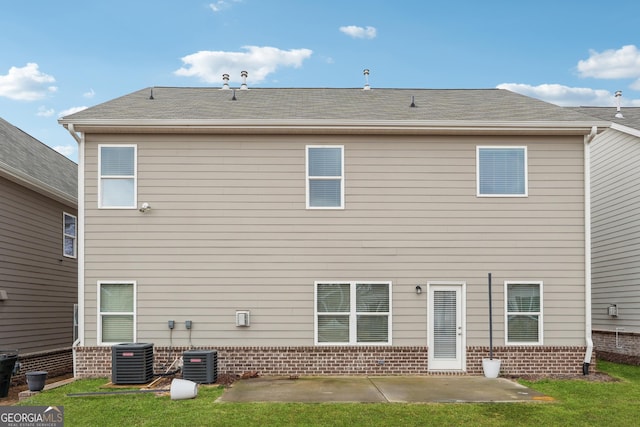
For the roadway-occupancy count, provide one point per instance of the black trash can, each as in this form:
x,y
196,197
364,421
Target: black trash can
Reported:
x,y
8,359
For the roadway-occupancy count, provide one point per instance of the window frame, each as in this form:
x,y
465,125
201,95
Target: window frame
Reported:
x,y
539,314
309,178
70,236
525,170
353,313
117,313
102,178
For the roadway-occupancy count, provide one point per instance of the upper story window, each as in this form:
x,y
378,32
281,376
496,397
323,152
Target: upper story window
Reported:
x,y
353,313
502,171
69,233
117,176
325,177
523,312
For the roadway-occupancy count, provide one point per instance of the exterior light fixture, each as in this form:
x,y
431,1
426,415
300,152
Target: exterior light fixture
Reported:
x,y
418,289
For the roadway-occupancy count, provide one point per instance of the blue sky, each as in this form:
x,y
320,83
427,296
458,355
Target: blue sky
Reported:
x,y
58,57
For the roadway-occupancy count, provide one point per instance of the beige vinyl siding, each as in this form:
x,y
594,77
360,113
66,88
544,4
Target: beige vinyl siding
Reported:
x,y
616,230
40,282
228,230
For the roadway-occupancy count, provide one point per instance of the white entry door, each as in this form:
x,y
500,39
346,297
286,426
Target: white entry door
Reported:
x,y
446,326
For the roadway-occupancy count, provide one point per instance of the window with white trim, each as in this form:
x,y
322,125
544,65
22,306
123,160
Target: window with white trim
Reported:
x,y
117,314
325,177
69,235
523,317
353,313
501,171
117,172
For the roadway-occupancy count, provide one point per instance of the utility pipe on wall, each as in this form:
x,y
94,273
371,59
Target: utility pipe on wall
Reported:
x,y
587,249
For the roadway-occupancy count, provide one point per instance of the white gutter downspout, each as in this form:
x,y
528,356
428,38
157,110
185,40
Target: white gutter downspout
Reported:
x,y
81,215
587,249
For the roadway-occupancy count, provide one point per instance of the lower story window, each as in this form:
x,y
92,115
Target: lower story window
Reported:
x,y
117,312
523,312
353,313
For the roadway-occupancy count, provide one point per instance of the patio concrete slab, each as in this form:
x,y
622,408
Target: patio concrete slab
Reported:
x,y
380,389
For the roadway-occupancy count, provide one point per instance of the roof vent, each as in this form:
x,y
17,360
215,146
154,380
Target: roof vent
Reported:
x,y
618,113
225,81
366,79
413,102
151,95
244,76
233,98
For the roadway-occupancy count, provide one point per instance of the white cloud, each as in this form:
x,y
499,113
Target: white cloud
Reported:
x,y
70,111
90,94
65,150
612,64
44,112
359,32
26,84
259,62
563,95
221,5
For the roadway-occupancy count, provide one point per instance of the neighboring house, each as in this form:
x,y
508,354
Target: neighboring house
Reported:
x,y
615,201
334,231
38,252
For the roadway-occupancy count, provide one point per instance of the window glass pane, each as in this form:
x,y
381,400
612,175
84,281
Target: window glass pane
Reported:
x,y
445,331
373,328
523,328
333,328
117,328
116,297
324,193
69,225
117,161
334,298
372,298
325,161
69,246
502,170
117,192
523,297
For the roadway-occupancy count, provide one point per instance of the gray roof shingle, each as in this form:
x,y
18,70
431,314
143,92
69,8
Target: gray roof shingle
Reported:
x,y
23,156
631,115
287,104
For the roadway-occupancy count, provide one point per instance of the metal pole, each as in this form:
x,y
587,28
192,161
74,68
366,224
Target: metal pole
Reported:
x,y
490,322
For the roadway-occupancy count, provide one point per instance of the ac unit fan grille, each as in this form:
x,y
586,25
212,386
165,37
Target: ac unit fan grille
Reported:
x,y
200,366
132,363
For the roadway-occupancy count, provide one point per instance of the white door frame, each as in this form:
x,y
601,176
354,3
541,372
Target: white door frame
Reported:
x,y
459,362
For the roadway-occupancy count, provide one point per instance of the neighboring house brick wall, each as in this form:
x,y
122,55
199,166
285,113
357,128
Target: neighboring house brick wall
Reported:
x,y
54,362
621,347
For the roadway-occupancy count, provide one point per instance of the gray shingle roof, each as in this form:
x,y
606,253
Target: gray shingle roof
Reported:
x,y
286,104
631,115
24,157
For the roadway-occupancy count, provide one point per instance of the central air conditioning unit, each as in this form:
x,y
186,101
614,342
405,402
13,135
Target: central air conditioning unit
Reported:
x,y
200,366
132,363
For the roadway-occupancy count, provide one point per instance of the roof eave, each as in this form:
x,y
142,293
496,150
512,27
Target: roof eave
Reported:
x,y
334,126
40,187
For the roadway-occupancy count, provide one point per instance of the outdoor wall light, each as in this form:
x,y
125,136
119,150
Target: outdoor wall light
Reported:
x,y
145,207
418,289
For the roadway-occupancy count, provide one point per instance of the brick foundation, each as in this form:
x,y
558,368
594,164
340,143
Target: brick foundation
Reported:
x,y
54,362
625,348
333,361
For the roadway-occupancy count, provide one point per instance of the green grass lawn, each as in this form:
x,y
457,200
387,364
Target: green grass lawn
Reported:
x,y
577,403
